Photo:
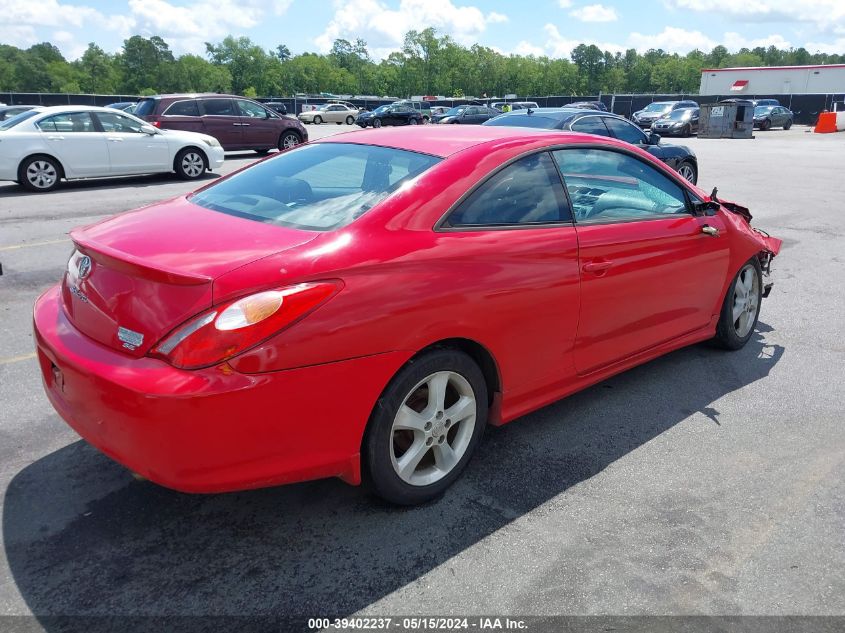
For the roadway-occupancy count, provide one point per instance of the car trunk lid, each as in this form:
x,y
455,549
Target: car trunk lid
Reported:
x,y
135,277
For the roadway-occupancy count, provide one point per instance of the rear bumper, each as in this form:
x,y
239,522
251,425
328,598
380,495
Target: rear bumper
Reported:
x,y
211,430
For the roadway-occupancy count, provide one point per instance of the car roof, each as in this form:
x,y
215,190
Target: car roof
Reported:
x,y
72,108
443,141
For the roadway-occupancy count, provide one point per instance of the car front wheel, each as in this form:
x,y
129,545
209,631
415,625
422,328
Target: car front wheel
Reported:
x,y
688,172
425,427
787,125
376,122
189,164
741,307
350,120
289,139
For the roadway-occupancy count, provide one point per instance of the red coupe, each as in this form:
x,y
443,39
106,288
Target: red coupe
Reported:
x,y
362,306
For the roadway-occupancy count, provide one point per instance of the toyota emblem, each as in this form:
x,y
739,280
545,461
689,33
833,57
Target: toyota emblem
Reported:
x,y
83,268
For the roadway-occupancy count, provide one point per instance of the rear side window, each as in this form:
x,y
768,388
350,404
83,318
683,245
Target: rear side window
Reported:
x,y
145,107
183,108
527,191
219,107
317,187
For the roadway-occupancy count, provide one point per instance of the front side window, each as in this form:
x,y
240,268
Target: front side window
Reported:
x,y
250,109
117,123
625,131
525,192
590,125
183,108
68,122
219,107
317,187
609,186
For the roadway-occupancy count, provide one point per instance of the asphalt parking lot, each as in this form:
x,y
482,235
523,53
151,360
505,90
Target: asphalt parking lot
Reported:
x,y
705,482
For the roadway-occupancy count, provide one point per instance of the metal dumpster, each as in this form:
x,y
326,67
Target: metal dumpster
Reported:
x,y
726,120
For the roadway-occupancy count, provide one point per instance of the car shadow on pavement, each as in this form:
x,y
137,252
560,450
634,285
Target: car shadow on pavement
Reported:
x,y
14,190
82,537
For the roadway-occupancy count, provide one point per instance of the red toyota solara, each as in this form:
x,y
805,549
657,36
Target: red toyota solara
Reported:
x,y
362,306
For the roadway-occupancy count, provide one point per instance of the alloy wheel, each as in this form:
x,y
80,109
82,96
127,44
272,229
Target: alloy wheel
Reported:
x,y
746,300
687,172
433,428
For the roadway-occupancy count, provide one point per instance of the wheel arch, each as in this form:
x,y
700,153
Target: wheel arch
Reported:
x,y
62,172
482,357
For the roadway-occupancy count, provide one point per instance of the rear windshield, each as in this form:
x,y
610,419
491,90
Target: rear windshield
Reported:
x,y
145,107
658,107
13,121
315,187
525,120
681,114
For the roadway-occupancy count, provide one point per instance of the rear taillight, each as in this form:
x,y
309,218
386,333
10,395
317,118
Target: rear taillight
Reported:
x,y
231,328
156,123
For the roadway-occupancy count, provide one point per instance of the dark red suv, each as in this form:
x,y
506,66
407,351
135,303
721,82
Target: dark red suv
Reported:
x,y
236,122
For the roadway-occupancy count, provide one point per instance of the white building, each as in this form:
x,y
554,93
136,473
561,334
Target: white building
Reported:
x,y
773,80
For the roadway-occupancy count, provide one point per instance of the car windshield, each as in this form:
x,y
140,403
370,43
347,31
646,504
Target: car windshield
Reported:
x,y
383,108
13,121
762,110
658,107
525,120
317,187
455,111
679,115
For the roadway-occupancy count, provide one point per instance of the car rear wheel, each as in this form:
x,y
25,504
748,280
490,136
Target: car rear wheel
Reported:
x,y
741,307
787,125
289,139
317,120
40,173
688,171
414,122
425,427
350,120
190,164
376,122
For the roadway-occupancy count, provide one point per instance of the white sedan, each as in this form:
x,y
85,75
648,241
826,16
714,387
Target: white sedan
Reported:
x,y
41,146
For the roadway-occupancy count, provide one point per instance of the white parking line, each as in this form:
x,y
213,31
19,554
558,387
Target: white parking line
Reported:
x,y
16,359
15,247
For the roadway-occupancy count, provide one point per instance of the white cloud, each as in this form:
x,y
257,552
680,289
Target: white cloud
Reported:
x,y
595,13
67,43
673,40
735,41
564,4
20,35
383,27
559,46
826,15
527,48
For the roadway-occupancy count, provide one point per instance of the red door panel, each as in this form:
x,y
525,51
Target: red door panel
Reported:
x,y
644,283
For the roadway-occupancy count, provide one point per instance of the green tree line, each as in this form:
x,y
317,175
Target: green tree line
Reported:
x,y
428,63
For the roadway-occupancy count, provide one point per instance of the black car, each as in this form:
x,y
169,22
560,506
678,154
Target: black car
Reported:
x,y
680,158
391,114
683,122
653,111
467,115
767,117
7,112
277,106
588,105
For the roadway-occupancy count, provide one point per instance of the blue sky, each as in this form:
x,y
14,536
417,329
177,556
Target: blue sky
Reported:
x,y
540,27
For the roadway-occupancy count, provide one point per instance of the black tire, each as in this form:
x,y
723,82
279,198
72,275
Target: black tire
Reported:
x,y
350,120
687,131
289,139
414,122
376,122
765,125
727,334
788,124
688,171
190,163
262,152
46,173
318,120
379,445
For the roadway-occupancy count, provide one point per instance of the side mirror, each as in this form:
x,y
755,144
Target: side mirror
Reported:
x,y
149,130
709,208
654,139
